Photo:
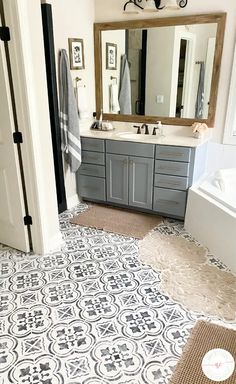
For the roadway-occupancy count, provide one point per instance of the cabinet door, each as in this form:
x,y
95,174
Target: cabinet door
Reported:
x,y
117,178
141,182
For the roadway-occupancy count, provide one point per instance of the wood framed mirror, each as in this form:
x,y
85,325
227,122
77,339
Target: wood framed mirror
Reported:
x,y
173,68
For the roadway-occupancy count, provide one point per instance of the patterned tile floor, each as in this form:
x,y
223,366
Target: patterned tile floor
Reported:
x,y
89,314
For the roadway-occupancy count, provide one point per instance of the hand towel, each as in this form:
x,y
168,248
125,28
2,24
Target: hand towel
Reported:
x,y
125,87
82,102
114,102
69,119
200,93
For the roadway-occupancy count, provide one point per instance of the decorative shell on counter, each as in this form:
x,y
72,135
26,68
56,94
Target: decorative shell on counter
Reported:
x,y
199,129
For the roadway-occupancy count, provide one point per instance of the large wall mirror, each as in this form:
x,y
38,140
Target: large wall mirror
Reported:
x,y
159,69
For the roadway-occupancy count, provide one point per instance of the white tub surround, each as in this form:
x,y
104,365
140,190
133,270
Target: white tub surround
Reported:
x,y
211,215
221,186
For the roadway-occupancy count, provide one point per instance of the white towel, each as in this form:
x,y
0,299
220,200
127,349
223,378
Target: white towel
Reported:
x,y
125,87
200,93
82,102
69,119
114,102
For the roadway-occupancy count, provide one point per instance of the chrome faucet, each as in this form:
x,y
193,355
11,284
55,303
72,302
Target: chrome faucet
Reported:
x,y
146,128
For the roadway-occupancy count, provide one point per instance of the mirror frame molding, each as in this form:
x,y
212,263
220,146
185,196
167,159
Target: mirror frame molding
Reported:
x,y
218,18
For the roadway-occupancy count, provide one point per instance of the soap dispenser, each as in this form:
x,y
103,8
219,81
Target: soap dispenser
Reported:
x,y
100,120
160,128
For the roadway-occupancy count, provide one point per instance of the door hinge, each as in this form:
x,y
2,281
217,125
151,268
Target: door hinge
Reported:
x,y
28,220
17,137
5,34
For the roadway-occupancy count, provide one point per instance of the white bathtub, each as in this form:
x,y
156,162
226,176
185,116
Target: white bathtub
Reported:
x,y
211,215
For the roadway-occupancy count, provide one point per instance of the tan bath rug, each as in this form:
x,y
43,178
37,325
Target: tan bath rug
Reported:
x,y
116,220
204,338
186,277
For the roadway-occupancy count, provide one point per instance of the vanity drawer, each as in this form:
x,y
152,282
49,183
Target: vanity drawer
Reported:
x,y
169,201
89,144
167,152
129,148
172,182
91,187
93,157
92,170
172,168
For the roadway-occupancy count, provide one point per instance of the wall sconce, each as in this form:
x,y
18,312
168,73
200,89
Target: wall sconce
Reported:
x,y
132,6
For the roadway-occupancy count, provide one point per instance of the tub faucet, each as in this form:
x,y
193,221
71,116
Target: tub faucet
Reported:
x,y
146,128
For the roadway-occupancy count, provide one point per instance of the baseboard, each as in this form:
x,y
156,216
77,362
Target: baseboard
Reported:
x,y
72,201
55,243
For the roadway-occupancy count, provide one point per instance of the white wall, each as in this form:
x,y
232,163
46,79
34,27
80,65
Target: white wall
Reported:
x,y
118,38
74,19
112,10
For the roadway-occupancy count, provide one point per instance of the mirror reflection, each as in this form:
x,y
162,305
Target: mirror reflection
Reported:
x,y
159,71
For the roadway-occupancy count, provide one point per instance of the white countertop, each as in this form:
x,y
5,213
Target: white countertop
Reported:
x,y
121,133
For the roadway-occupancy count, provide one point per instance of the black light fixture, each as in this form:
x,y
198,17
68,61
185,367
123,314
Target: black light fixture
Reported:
x,y
133,6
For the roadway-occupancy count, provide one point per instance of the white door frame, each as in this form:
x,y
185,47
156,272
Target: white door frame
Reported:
x,y
188,71
13,232
30,89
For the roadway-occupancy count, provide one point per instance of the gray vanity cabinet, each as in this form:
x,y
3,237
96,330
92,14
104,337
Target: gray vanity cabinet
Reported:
x,y
141,182
91,177
146,176
130,173
129,180
117,178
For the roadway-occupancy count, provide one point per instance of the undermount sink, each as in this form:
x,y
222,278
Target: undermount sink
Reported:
x,y
130,135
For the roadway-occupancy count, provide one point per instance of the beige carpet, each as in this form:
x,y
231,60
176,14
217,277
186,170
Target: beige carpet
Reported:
x,y
121,221
186,277
204,337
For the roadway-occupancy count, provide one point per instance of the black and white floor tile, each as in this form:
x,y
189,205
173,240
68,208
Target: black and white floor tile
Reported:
x,y
90,313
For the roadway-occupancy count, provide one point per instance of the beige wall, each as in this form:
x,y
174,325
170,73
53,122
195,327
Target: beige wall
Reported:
x,y
75,18
108,10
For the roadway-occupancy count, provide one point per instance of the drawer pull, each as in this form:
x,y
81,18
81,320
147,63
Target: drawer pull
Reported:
x,y
91,188
169,183
92,158
164,201
178,154
169,169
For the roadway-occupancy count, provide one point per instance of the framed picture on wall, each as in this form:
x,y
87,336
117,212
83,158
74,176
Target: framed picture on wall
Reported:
x,y
111,56
76,53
